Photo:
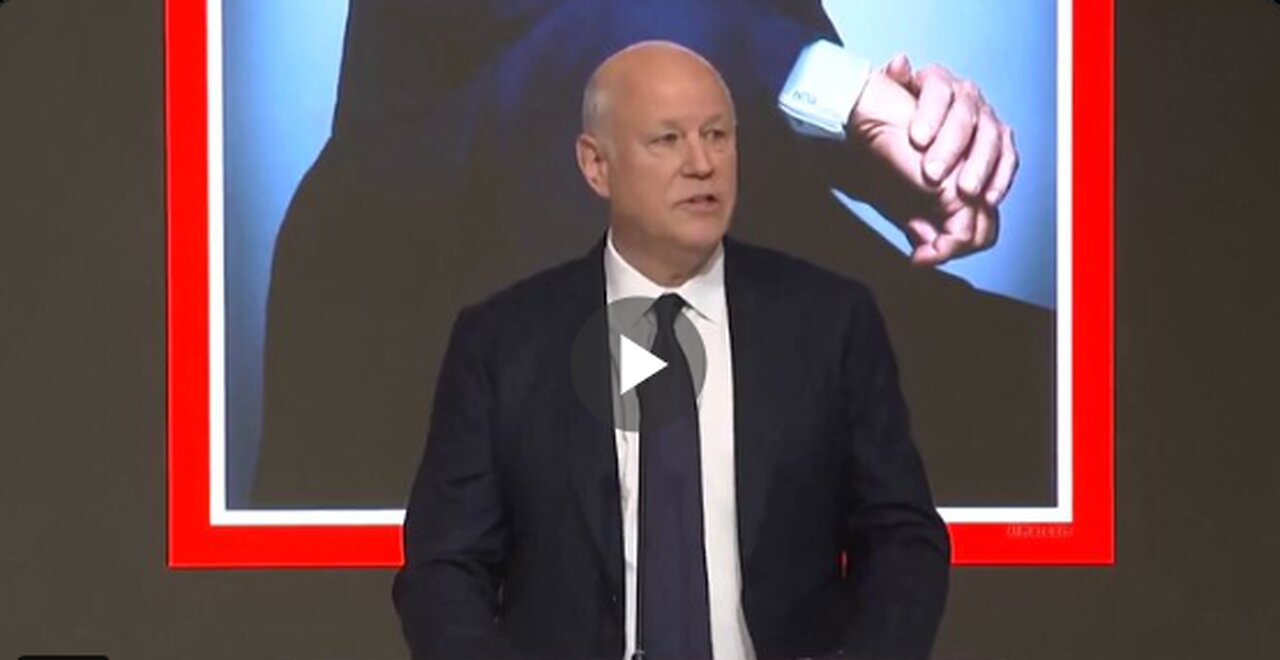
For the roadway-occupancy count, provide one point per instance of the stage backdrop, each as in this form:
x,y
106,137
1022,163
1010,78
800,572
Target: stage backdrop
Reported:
x,y
296,137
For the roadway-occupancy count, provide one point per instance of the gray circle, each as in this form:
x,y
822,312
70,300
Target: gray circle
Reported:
x,y
597,355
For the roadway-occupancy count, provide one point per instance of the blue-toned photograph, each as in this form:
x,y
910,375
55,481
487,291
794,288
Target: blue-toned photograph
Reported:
x,y
389,164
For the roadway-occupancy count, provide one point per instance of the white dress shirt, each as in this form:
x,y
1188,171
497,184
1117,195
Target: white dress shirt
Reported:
x,y
708,312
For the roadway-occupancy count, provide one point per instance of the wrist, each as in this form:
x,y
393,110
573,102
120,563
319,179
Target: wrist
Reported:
x,y
883,102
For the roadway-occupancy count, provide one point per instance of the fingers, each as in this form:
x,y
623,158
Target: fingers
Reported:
x,y
986,228
969,230
899,70
957,234
1002,179
984,153
953,124
923,234
956,133
958,153
926,255
934,87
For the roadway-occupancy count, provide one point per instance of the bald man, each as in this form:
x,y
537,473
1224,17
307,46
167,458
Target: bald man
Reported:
x,y
783,512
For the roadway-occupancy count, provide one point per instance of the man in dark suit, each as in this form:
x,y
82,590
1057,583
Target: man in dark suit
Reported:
x,y
447,175
784,513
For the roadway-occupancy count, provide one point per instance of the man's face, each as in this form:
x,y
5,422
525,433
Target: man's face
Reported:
x,y
671,162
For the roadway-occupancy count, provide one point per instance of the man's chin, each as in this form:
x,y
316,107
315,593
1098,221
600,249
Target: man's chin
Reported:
x,y
702,228
702,239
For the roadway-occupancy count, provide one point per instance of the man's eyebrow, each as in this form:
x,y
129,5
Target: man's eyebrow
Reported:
x,y
719,117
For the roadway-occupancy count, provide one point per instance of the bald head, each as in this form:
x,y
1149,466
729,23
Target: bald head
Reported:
x,y
659,143
617,80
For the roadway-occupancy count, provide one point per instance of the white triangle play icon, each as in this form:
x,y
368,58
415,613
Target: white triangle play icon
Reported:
x,y
635,364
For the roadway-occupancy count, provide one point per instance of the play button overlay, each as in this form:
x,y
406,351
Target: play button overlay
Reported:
x,y
635,364
611,359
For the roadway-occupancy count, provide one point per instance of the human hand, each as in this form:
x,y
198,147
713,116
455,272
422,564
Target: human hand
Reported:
x,y
940,220
955,126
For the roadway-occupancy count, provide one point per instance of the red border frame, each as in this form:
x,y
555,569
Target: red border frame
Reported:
x,y
195,543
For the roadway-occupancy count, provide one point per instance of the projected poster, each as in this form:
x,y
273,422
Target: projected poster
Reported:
x,y
344,177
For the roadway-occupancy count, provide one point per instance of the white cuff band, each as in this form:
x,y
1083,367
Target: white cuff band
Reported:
x,y
823,87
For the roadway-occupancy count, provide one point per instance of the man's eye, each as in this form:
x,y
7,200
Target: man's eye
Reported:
x,y
666,138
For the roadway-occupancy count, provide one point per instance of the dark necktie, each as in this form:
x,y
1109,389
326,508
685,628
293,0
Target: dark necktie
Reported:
x,y
673,617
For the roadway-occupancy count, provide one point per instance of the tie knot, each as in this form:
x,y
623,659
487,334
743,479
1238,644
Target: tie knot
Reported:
x,y
666,308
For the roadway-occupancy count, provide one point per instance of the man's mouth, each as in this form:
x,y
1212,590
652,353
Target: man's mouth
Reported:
x,y
703,203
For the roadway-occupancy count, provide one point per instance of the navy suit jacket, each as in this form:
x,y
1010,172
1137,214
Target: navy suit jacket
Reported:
x,y
513,538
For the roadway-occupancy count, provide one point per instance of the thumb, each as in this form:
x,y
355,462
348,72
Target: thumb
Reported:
x,y
921,232
923,235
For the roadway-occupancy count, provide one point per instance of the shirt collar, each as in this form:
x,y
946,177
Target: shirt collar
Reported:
x,y
704,292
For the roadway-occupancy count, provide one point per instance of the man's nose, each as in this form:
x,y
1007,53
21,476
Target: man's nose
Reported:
x,y
698,158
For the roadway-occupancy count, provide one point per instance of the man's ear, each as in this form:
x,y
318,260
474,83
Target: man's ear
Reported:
x,y
591,160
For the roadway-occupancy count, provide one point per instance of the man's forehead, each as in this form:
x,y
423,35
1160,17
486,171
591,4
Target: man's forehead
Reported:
x,y
657,83
693,119
655,66
677,96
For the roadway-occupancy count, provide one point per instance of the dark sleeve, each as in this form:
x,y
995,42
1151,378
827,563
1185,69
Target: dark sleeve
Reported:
x,y
898,548
404,58
455,530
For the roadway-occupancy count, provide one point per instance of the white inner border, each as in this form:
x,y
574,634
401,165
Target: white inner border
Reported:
x,y
220,515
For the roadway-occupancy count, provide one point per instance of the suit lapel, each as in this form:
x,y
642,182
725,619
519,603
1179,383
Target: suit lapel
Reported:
x,y
591,455
754,334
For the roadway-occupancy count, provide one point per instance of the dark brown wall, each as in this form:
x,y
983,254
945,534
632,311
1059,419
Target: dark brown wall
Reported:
x,y
82,479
